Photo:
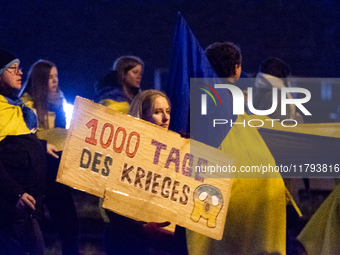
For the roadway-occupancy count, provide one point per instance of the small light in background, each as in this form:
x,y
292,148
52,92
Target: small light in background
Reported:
x,y
68,108
333,115
326,90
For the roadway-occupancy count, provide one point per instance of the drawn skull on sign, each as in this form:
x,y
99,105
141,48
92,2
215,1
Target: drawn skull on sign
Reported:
x,y
208,203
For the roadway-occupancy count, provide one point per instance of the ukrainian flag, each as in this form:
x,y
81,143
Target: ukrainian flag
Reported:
x,y
256,219
12,119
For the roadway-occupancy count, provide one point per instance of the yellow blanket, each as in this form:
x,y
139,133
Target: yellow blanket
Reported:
x,y
122,107
321,234
256,220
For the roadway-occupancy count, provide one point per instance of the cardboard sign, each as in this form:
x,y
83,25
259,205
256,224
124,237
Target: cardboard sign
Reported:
x,y
144,171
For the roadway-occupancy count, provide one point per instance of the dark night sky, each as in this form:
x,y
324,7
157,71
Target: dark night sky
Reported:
x,y
84,37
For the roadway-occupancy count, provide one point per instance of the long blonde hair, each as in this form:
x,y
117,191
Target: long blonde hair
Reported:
x,y
143,104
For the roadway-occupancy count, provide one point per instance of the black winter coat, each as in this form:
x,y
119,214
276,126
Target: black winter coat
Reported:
x,y
22,170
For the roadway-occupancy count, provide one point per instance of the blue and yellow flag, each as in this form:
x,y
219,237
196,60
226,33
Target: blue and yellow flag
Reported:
x,y
321,234
15,119
188,61
256,220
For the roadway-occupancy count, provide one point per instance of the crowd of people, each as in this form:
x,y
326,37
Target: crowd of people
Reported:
x,y
28,165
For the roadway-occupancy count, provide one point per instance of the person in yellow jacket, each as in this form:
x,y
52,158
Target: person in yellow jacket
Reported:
x,y
256,218
22,166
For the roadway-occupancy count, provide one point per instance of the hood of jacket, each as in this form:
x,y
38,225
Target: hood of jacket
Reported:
x,y
267,81
108,87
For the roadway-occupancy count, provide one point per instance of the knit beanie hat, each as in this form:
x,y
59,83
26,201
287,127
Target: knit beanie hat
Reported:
x,y
7,59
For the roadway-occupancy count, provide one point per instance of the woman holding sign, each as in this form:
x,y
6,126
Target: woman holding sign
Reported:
x,y
153,106
126,236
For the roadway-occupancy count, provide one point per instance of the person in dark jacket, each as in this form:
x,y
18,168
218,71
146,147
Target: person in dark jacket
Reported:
x,y
22,166
46,99
44,95
273,73
226,59
118,88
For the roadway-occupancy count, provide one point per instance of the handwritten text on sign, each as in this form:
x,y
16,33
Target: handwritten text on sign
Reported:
x,y
143,171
